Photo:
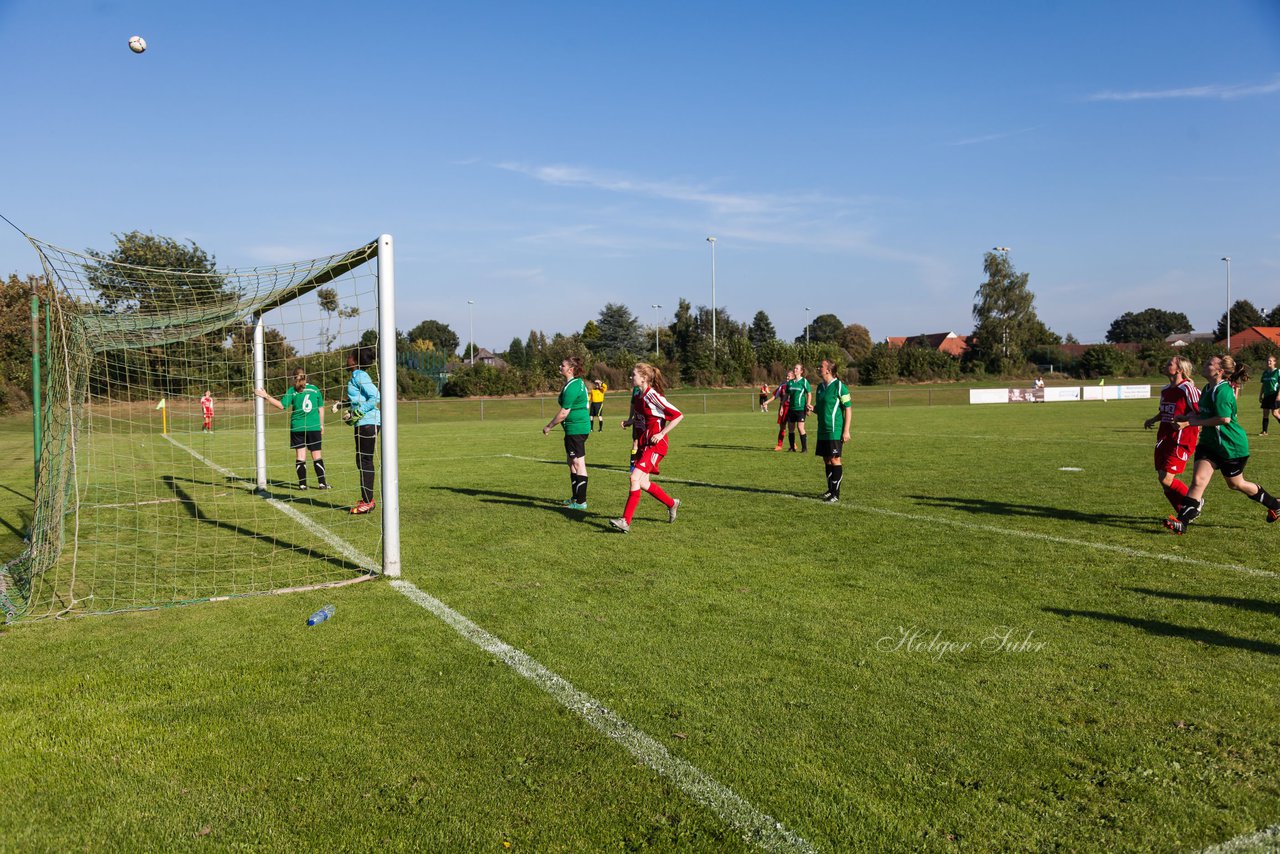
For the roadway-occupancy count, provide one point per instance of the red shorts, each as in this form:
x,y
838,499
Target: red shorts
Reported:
x,y
650,457
1173,459
782,413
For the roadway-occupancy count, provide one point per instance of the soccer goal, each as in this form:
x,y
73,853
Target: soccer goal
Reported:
x,y
161,477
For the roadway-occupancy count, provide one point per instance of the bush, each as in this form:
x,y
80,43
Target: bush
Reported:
x,y
881,365
923,364
1103,360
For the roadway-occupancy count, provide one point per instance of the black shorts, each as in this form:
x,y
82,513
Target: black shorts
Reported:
x,y
797,416
1229,468
575,447
827,448
309,439
595,409
1269,401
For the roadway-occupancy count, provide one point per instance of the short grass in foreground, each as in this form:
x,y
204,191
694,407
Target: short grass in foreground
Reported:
x,y
835,666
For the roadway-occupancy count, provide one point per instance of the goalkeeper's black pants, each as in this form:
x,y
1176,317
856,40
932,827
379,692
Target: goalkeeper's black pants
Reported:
x,y
366,442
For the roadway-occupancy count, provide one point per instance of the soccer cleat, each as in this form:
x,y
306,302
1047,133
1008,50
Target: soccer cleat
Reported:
x,y
362,507
831,499
575,505
302,486
824,496
1175,525
323,486
621,524
1272,515
779,448
671,511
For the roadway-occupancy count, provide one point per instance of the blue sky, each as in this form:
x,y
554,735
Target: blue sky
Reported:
x,y
543,159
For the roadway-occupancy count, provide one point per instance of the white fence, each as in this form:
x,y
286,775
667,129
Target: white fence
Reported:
x,y
1057,394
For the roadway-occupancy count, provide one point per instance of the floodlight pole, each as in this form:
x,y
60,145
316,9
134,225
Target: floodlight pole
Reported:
x,y
471,319
712,241
806,326
656,352
390,416
1227,258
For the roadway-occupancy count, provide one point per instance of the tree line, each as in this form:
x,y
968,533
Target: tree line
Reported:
x,y
1008,338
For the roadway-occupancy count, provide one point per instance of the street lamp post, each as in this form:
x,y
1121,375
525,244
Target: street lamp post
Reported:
x,y
655,308
471,317
1227,258
806,326
712,241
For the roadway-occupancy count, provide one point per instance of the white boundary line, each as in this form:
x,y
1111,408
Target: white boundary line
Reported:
x,y
1267,839
755,826
974,526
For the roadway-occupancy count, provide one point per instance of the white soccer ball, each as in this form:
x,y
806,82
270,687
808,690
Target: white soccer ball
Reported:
x,y
137,44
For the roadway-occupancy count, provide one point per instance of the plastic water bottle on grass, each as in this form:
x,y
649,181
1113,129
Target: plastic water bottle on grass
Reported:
x,y
320,616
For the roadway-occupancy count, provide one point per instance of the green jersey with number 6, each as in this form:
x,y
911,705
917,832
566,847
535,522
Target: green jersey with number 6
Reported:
x,y
306,407
828,405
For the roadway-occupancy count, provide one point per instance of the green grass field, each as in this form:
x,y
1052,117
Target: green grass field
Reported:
x,y
975,650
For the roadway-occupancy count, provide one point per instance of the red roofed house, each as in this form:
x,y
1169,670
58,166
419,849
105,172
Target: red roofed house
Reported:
x,y
1253,335
944,342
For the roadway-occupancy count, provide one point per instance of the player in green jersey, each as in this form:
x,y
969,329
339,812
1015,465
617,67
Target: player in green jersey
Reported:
x,y
306,424
834,409
799,405
574,416
1268,393
1224,445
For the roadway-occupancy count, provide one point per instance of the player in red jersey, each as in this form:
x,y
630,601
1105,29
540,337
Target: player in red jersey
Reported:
x,y
206,407
1174,445
658,412
781,394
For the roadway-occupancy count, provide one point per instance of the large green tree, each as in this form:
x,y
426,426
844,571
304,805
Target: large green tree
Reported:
x,y
1151,324
855,339
1243,315
619,333
1004,314
179,275
761,331
825,329
437,333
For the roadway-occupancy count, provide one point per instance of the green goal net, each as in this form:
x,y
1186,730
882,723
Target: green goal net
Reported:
x,y
162,478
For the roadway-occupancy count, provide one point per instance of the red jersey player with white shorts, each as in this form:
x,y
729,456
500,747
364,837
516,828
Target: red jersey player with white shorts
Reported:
x,y
657,411
1175,446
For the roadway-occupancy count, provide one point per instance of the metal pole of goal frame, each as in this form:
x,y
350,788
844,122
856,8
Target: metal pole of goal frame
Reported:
x,y
390,420
260,405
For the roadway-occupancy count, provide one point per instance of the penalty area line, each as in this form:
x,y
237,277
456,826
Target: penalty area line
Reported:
x,y
755,826
975,526
1267,839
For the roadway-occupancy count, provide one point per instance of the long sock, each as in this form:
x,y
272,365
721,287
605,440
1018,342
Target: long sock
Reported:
x,y
319,464
300,466
1175,492
791,440
1266,419
633,501
658,493
1266,499
837,475
580,492
781,429
804,441
573,486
